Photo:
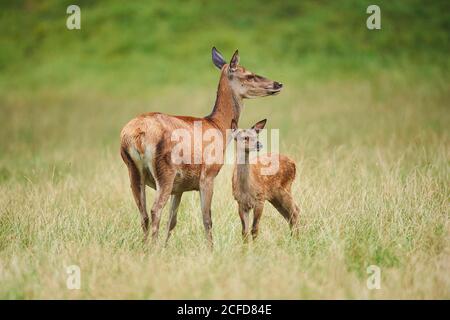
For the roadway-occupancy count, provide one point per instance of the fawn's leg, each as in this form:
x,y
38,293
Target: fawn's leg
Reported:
x,y
285,204
257,212
206,193
244,215
137,184
174,205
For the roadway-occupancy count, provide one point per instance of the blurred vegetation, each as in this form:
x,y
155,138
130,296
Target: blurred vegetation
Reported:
x,y
131,46
364,113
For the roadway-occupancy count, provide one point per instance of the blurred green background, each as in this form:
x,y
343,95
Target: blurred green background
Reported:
x,y
129,47
137,56
364,113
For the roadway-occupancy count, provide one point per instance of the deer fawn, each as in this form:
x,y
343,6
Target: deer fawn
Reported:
x,y
251,188
146,146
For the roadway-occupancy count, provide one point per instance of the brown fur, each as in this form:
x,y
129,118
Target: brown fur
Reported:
x,y
251,188
146,150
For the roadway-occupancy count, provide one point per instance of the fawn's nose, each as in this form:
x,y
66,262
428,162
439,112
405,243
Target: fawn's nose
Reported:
x,y
259,146
277,85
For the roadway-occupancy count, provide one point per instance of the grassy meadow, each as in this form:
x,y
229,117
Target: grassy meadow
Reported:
x,y
365,114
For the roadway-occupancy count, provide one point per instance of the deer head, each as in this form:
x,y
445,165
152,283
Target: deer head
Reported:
x,y
247,139
244,83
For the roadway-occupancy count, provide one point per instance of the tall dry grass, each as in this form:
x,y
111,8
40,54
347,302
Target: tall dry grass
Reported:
x,y
372,185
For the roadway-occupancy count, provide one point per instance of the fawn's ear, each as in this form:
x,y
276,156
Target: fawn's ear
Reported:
x,y
217,58
234,125
234,62
259,125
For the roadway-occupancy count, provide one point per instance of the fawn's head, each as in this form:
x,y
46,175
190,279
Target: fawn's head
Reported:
x,y
247,139
243,82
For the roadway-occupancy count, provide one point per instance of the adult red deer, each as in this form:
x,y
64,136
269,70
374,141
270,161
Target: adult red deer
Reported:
x,y
147,144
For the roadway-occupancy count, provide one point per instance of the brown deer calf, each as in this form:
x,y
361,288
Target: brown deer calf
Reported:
x,y
251,188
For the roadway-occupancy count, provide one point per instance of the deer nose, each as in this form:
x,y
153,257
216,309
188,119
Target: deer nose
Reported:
x,y
277,85
259,146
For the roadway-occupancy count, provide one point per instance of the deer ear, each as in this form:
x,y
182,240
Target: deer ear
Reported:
x,y
234,62
259,125
217,58
234,125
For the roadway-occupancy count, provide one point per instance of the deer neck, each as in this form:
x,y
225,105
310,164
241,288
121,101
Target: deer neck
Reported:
x,y
243,171
227,106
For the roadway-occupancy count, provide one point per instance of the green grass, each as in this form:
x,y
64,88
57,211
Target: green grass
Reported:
x,y
363,113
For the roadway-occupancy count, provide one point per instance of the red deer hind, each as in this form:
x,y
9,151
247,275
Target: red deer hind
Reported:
x,y
146,147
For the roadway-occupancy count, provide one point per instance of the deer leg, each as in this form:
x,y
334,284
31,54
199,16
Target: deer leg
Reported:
x,y
244,215
164,184
286,206
290,210
144,215
294,220
174,205
257,212
206,193
137,184
162,196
